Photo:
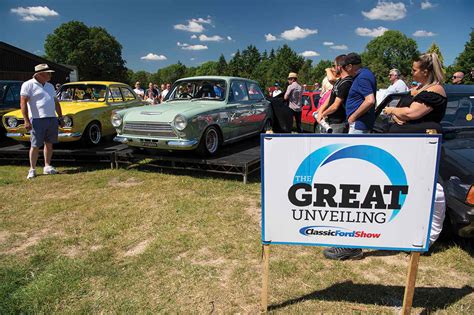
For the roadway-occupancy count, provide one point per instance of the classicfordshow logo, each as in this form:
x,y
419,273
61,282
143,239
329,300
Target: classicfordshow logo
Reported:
x,y
326,202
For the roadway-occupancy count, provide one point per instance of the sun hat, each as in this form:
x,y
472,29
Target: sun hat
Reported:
x,y
292,75
43,68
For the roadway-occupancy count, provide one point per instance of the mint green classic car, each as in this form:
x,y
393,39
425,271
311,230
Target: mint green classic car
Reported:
x,y
199,113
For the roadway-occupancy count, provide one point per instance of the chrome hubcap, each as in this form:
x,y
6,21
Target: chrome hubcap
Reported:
x,y
212,140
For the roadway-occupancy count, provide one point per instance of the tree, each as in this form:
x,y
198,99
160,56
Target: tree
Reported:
x,y
207,68
222,66
171,73
391,50
435,49
96,53
141,76
319,71
465,61
249,60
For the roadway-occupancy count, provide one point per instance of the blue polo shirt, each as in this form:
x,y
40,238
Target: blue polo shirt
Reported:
x,y
364,84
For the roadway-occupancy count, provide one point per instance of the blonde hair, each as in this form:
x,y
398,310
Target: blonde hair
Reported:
x,y
431,63
326,86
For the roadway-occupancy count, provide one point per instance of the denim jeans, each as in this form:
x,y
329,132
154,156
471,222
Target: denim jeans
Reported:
x,y
354,131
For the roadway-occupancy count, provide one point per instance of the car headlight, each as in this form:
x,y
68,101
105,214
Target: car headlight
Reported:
x,y
180,122
67,122
12,122
116,120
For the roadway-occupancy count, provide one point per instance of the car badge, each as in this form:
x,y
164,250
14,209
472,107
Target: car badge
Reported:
x,y
151,113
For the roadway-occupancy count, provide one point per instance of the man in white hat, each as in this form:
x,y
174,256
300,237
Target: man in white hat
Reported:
x,y
293,95
39,106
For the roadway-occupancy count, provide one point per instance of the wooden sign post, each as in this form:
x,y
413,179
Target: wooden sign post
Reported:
x,y
265,273
410,284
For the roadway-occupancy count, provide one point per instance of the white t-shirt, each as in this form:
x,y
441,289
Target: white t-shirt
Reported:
x,y
139,92
40,99
398,87
164,93
275,93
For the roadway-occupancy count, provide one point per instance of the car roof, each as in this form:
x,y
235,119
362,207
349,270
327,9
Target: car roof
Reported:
x,y
10,81
459,89
96,82
213,77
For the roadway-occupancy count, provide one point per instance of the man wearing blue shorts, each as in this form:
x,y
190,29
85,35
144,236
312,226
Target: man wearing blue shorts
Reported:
x,y
39,106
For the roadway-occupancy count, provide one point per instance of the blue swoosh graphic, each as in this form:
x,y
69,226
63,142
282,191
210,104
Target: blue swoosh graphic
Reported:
x,y
376,156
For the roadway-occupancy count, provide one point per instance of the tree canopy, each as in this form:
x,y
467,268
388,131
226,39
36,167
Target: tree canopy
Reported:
x,y
391,50
96,53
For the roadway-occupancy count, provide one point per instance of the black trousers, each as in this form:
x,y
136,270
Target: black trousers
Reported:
x,y
297,116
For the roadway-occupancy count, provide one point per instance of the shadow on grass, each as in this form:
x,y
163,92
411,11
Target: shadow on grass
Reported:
x,y
202,174
375,294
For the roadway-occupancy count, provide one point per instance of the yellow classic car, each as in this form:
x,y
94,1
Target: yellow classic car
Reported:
x,y
86,108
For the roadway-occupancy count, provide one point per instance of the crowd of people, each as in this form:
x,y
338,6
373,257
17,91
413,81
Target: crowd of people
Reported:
x,y
347,105
152,94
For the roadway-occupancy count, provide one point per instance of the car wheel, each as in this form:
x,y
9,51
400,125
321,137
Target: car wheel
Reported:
x,y
92,135
210,141
267,126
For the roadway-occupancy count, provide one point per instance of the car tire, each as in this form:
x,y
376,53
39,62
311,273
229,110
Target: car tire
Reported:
x,y
210,142
92,134
267,126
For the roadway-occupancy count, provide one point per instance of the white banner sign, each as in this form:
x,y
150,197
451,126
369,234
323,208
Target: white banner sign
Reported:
x,y
367,191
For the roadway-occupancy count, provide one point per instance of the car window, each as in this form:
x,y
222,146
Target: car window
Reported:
x,y
459,111
238,92
114,95
82,92
305,100
127,94
316,98
254,91
15,89
198,89
9,97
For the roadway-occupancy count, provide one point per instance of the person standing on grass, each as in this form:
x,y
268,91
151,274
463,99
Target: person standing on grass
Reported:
x,y
38,104
293,95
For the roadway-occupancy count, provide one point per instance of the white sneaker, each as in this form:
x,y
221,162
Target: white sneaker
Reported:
x,y
49,170
31,173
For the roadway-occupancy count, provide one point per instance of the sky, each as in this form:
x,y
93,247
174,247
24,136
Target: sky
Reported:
x,y
155,34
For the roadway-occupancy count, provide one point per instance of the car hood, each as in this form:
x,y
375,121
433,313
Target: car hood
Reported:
x,y
167,111
460,153
68,108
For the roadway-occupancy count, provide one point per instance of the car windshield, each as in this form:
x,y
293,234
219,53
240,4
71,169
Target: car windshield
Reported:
x,y
198,90
82,92
459,112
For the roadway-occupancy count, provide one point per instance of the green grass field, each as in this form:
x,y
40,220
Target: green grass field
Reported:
x,y
128,241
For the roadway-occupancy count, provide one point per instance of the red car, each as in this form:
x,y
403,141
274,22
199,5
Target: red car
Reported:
x,y
310,105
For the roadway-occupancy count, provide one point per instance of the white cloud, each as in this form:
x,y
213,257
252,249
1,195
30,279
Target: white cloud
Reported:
x,y
375,32
229,38
270,38
34,14
194,47
192,59
205,38
182,44
192,27
423,33
154,57
328,43
339,47
297,33
309,53
193,36
387,11
427,5
202,21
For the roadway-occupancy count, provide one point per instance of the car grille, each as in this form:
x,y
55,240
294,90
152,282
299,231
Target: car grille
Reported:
x,y
151,129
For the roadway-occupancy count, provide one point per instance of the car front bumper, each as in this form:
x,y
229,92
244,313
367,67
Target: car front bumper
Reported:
x,y
153,143
62,136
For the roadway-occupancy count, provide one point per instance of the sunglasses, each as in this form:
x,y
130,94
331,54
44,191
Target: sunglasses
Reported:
x,y
455,77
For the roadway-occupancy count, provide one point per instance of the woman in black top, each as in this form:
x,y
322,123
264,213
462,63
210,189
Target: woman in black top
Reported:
x,y
424,109
425,106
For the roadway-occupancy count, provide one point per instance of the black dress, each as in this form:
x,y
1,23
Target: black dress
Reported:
x,y
430,121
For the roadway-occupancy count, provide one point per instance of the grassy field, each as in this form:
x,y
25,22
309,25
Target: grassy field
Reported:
x,y
99,240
